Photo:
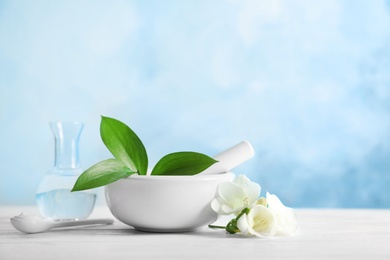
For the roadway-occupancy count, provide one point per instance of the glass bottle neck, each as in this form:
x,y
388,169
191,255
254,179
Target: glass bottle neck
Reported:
x,y
66,136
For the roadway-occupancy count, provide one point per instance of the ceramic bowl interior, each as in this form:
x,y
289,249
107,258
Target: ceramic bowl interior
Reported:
x,y
165,203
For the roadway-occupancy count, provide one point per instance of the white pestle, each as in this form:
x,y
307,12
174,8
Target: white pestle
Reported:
x,y
35,224
231,158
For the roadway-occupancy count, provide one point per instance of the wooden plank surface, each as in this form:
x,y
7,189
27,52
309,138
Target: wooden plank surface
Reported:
x,y
324,234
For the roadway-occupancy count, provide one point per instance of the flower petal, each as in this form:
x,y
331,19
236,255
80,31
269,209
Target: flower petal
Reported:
x,y
287,223
262,201
229,191
243,225
253,191
241,180
232,197
264,221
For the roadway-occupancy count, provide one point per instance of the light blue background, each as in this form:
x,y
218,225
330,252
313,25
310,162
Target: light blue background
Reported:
x,y
306,82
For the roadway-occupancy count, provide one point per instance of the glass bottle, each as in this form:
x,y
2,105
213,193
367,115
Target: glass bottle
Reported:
x,y
54,197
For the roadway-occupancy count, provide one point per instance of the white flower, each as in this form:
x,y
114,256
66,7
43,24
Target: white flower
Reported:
x,y
285,217
262,201
232,197
260,221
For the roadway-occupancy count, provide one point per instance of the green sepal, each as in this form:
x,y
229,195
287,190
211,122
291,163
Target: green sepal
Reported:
x,y
231,227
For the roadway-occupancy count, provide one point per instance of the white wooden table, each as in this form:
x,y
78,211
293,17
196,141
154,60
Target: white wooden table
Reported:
x,y
324,234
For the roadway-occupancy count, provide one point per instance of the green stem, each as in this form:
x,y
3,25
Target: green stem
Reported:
x,y
213,226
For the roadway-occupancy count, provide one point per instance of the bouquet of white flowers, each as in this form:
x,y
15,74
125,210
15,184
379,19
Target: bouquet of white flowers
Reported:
x,y
255,216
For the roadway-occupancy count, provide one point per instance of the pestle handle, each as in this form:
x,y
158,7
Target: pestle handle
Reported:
x,y
231,158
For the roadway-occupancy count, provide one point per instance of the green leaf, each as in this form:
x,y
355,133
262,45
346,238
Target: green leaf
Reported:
x,y
101,174
183,163
124,144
